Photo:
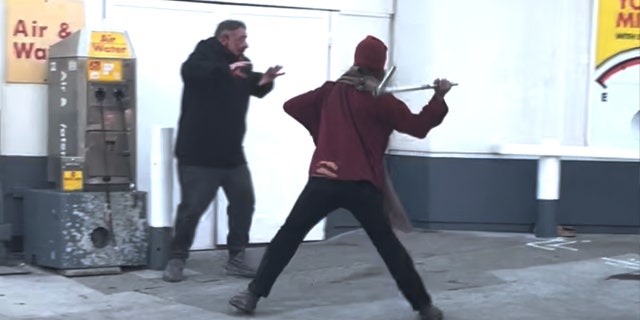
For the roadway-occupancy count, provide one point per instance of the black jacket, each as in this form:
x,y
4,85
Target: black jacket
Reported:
x,y
214,107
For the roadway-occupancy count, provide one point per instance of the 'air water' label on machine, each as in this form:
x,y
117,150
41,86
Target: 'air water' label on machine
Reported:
x,y
109,45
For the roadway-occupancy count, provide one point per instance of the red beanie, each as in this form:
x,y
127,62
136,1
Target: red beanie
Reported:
x,y
371,53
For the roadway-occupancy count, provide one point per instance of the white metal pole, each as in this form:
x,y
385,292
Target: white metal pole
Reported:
x,y
548,192
161,188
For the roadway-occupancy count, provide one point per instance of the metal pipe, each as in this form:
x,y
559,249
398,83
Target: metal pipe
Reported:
x,y
385,80
410,88
382,87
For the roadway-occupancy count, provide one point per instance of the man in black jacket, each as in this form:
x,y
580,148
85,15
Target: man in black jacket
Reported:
x,y
218,81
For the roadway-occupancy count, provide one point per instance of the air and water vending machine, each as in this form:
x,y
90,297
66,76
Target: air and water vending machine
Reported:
x,y
92,216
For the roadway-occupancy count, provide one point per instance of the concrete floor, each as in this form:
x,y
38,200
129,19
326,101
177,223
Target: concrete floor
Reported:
x,y
471,275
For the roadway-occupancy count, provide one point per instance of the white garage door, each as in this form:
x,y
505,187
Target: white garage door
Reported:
x,y
277,148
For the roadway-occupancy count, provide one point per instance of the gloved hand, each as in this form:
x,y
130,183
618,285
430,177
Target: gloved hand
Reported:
x,y
442,86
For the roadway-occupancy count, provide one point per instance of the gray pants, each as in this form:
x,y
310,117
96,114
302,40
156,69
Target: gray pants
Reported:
x,y
198,188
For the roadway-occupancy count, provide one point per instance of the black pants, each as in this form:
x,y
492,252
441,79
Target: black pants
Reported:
x,y
198,188
319,198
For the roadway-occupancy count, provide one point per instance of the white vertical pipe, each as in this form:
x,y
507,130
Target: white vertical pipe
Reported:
x,y
548,191
595,14
548,178
2,75
563,68
549,172
161,187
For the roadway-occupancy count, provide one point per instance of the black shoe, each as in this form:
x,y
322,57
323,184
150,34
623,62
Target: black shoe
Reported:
x,y
245,301
173,271
236,266
431,312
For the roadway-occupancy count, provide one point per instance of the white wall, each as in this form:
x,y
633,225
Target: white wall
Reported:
x,y
181,44
23,107
522,68
23,116
310,44
359,25
616,122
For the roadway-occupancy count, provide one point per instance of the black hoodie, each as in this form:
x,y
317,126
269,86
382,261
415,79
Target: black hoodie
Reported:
x,y
214,107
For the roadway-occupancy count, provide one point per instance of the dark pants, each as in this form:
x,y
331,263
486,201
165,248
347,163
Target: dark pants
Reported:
x,y
319,198
198,188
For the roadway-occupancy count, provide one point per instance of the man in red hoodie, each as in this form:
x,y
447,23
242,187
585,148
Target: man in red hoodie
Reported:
x,y
350,127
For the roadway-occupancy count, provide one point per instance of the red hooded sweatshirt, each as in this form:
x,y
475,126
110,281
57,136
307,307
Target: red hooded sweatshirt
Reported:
x,y
351,128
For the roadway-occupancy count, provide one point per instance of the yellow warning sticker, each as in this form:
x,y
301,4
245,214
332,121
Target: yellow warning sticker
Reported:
x,y
72,181
104,70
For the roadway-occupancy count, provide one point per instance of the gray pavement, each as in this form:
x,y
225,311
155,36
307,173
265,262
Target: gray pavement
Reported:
x,y
471,275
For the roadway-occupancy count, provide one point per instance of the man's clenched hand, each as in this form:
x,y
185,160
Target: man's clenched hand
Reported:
x,y
236,68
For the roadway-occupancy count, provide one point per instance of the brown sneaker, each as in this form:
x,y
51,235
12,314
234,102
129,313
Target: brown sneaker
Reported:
x,y
237,266
173,271
431,312
245,301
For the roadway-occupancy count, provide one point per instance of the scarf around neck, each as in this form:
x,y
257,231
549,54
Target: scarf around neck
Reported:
x,y
359,78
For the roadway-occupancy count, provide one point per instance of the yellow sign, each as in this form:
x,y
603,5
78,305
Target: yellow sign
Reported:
x,y
72,181
614,100
104,70
109,45
617,37
618,29
31,27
